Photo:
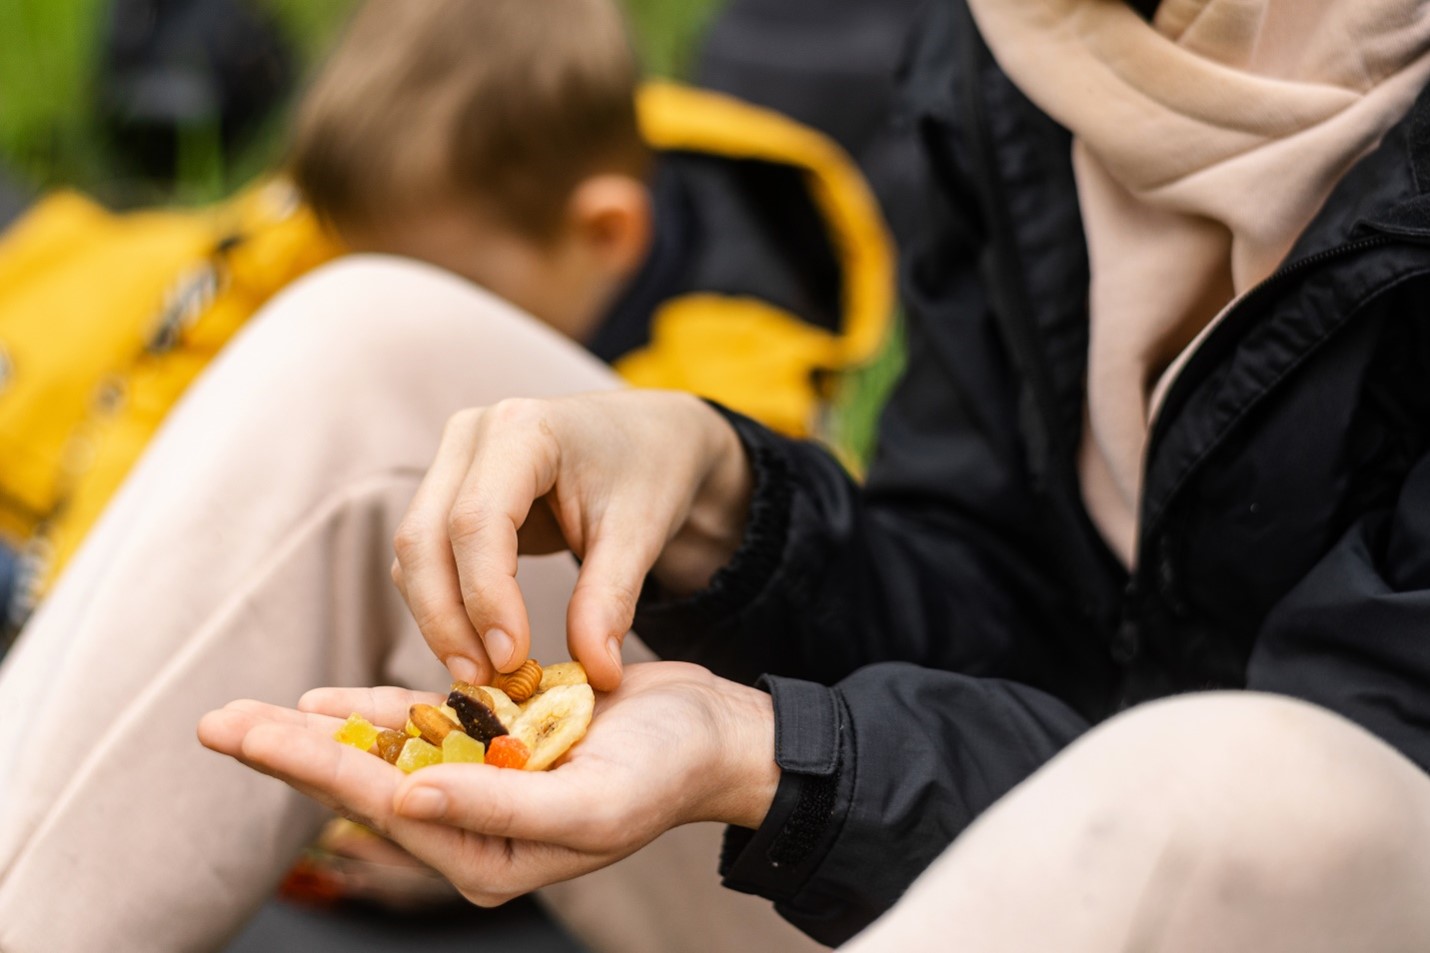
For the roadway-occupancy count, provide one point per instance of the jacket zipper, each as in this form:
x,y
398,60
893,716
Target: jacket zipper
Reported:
x,y
1204,359
1127,640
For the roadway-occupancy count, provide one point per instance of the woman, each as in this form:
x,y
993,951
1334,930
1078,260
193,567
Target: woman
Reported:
x,y
1163,431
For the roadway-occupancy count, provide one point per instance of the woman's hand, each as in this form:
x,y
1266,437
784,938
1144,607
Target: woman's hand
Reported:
x,y
674,745
630,482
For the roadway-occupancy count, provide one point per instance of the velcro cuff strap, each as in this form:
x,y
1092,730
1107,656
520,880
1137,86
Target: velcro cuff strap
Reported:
x,y
806,725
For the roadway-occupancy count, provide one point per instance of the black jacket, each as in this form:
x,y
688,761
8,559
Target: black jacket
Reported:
x,y
934,637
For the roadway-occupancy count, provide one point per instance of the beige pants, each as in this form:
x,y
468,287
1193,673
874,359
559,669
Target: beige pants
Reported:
x,y
1231,823
247,556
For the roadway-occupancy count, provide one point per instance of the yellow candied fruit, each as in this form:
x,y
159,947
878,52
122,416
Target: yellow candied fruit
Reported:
x,y
412,730
418,754
458,748
358,732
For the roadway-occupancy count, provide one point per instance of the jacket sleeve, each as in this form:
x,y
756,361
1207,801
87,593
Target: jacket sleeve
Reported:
x,y
902,640
921,640
915,635
1354,635
879,773
940,559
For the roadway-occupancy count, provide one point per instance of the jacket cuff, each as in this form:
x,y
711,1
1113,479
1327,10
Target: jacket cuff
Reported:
x,y
777,860
736,585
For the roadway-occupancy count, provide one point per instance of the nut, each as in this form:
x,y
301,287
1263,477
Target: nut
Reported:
x,y
521,684
432,723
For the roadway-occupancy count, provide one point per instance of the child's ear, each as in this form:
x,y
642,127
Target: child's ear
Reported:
x,y
612,217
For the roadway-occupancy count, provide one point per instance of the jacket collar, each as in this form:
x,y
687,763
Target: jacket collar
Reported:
x,y
1372,233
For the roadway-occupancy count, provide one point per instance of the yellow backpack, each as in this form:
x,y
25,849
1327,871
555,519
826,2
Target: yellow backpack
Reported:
x,y
105,320
745,352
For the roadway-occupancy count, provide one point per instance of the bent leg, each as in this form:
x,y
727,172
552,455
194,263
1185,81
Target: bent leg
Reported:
x,y
247,555
1235,823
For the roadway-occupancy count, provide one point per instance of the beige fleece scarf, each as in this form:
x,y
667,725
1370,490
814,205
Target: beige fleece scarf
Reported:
x,y
1204,144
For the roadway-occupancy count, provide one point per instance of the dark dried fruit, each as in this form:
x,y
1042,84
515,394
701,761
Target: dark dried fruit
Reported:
x,y
477,719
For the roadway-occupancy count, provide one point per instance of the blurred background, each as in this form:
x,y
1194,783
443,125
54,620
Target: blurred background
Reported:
x,y
182,102
143,102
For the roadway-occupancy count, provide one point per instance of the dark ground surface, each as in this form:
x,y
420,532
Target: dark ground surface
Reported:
x,y
518,927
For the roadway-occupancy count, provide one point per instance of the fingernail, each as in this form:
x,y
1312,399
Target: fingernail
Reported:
x,y
500,647
424,804
613,649
463,669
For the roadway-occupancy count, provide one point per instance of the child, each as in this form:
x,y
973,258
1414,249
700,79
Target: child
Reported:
x,y
692,240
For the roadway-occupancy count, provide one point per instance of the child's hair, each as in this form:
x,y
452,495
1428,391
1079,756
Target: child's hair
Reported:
x,y
508,104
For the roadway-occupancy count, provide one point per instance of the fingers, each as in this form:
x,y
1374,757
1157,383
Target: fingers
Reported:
x,y
223,730
297,748
603,604
385,706
495,833
515,466
425,571
499,802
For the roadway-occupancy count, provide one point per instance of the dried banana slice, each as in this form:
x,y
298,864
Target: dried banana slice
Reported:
x,y
505,708
562,673
554,721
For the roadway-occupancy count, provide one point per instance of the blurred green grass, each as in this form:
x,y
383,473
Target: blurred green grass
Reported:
x,y
49,129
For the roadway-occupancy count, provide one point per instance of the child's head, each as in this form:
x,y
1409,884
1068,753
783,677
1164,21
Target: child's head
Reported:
x,y
495,138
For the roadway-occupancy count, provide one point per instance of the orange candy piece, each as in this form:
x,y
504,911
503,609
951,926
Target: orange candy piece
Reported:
x,y
507,752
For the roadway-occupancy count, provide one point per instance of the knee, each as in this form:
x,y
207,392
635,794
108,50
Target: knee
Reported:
x,y
367,302
1262,794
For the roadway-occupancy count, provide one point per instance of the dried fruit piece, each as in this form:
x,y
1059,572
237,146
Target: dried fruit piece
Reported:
x,y
451,714
358,732
412,730
493,698
473,691
521,684
416,754
553,722
389,744
457,748
505,708
562,673
507,752
431,723
478,720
